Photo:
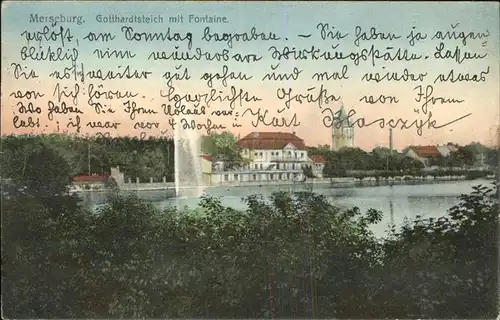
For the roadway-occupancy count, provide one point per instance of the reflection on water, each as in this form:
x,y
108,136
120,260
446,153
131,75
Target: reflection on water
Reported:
x,y
99,197
391,204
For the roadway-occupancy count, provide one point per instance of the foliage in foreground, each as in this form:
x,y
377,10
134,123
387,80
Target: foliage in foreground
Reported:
x,y
293,256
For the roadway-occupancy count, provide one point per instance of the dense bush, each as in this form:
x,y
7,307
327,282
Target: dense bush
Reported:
x,y
295,255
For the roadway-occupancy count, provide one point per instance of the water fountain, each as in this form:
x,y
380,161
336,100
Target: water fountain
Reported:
x,y
188,168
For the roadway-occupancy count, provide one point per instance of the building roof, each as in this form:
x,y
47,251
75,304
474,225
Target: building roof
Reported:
x,y
317,158
207,157
271,141
447,149
426,151
94,178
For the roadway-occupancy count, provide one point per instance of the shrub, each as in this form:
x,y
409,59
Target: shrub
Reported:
x,y
293,255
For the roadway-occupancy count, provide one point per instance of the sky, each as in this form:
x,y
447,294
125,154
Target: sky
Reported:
x,y
287,20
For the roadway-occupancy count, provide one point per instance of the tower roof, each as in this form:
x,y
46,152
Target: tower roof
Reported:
x,y
343,116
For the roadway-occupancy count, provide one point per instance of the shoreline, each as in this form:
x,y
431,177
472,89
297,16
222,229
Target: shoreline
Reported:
x,y
400,180
334,183
353,182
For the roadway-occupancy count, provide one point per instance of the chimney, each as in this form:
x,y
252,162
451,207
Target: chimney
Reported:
x,y
391,146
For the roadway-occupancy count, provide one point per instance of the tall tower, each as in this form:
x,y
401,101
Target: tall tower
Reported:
x,y
342,131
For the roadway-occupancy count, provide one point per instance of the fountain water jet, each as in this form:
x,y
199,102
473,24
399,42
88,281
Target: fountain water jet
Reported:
x,y
188,168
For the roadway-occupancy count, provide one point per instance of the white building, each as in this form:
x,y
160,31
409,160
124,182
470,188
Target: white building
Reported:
x,y
317,163
272,156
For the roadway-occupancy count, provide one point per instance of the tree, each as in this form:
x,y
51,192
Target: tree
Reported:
x,y
409,164
492,158
308,172
319,150
223,147
151,165
34,167
460,158
457,251
143,158
208,145
334,167
382,152
438,161
354,158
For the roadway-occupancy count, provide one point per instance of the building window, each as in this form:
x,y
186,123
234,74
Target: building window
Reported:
x,y
295,154
236,177
271,176
261,165
277,166
293,166
256,166
255,154
260,154
226,177
302,155
254,177
288,176
280,176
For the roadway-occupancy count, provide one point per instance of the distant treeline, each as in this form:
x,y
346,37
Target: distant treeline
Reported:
x,y
136,158
340,163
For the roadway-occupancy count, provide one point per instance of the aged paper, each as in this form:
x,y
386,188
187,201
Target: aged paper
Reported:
x,y
249,118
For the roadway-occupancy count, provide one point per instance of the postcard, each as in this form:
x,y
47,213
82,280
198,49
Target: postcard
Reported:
x,y
181,159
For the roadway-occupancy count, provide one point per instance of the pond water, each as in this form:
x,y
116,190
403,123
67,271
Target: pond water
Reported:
x,y
396,202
